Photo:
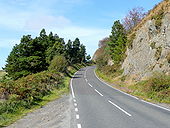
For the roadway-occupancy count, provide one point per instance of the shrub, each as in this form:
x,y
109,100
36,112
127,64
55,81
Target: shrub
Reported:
x,y
152,45
158,53
58,64
31,87
130,41
159,82
158,19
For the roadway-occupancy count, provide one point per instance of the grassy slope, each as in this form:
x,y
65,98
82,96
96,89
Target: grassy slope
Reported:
x,y
55,94
144,89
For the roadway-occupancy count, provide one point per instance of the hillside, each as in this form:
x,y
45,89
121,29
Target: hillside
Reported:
x,y
141,60
149,50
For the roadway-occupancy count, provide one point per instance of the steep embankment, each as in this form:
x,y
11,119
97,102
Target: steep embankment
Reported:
x,y
149,49
144,71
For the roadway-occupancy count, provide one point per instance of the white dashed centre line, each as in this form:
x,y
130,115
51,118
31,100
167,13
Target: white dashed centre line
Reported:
x,y
99,93
90,85
86,80
75,104
119,108
78,125
76,109
77,116
74,100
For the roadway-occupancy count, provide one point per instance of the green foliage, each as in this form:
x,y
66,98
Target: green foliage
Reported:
x,y
130,41
152,45
158,53
156,87
58,64
101,61
168,57
35,55
117,44
56,49
88,57
158,19
75,52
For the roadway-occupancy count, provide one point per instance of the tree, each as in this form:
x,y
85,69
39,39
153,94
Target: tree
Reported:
x,y
58,64
75,50
25,58
69,50
82,54
117,44
88,57
133,17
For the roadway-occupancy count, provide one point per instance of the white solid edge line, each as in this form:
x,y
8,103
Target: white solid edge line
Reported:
x,y
156,105
115,88
90,85
78,125
72,91
98,92
77,117
119,108
131,95
76,109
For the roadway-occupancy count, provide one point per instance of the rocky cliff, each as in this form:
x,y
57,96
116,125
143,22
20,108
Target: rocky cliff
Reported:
x,y
149,48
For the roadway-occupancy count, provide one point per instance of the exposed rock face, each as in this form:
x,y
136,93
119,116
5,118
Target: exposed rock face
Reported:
x,y
150,50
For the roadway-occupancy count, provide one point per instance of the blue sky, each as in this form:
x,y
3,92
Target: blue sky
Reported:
x,y
89,20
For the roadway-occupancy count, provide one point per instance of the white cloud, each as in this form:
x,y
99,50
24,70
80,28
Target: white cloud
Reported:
x,y
37,22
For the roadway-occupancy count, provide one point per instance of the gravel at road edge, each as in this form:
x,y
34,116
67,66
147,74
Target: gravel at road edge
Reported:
x,y
56,114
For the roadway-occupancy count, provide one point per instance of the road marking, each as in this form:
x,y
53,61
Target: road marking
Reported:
x,y
99,93
76,109
114,88
74,100
77,116
72,91
131,95
90,85
71,84
85,74
86,80
78,125
75,104
119,108
156,105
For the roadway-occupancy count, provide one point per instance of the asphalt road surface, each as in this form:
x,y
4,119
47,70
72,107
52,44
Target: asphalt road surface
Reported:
x,y
97,105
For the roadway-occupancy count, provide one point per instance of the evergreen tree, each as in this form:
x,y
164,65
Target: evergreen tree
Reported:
x,y
75,50
82,54
117,44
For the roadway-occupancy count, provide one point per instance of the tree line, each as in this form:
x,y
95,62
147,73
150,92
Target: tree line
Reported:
x,y
115,45
34,55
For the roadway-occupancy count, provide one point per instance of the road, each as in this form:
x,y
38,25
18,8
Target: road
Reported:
x,y
98,105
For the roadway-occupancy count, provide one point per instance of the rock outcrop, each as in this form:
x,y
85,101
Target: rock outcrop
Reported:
x,y
150,47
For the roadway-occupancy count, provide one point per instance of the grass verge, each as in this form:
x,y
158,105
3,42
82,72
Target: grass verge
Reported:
x,y
155,89
15,109
8,118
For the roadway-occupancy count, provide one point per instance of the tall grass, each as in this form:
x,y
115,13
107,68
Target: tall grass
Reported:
x,y
156,88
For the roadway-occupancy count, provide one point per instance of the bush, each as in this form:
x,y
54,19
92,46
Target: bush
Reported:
x,y
58,64
159,82
31,87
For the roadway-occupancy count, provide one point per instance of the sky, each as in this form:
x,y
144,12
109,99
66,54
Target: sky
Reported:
x,y
89,20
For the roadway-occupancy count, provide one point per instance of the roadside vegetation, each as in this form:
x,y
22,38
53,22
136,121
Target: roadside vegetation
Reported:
x,y
111,54
38,71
